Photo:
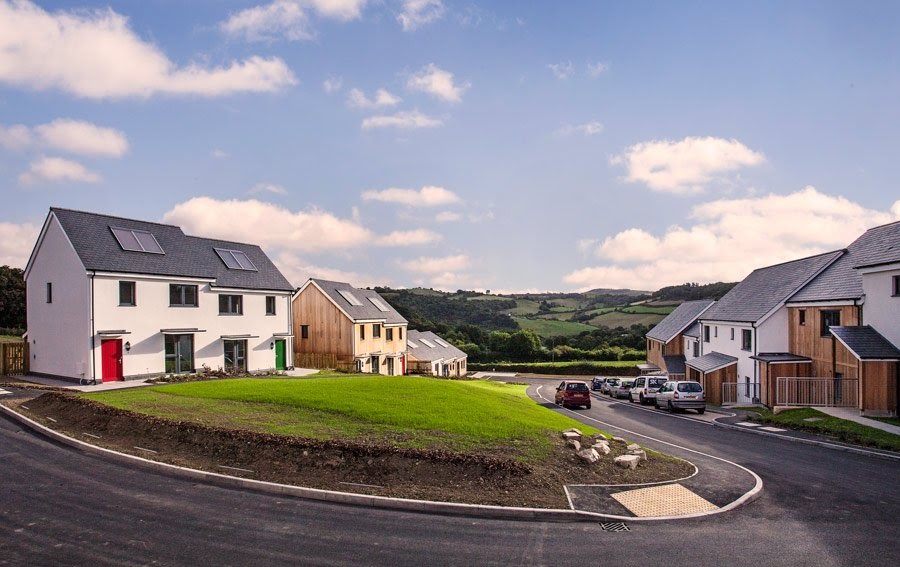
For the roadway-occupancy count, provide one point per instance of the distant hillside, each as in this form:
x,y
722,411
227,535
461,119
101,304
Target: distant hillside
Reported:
x,y
693,291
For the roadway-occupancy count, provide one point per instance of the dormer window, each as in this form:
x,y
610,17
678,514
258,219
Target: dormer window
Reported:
x,y
136,240
235,260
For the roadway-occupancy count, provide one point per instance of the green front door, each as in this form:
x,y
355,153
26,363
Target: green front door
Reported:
x,y
280,361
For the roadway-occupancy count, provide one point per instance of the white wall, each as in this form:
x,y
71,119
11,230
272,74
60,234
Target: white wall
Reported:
x,y
152,313
773,332
58,332
723,343
882,310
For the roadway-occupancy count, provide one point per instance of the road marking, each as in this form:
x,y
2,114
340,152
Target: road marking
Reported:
x,y
773,429
748,424
4,392
143,449
235,468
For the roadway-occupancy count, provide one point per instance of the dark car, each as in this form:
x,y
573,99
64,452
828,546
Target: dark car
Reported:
x,y
597,383
573,393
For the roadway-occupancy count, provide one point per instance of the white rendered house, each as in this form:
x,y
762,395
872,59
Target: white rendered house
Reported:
x,y
111,298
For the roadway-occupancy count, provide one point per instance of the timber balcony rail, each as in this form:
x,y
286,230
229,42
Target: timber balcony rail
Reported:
x,y
13,358
807,392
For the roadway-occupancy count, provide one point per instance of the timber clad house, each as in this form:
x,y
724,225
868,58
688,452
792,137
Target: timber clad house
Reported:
x,y
818,331
111,298
666,342
339,326
432,355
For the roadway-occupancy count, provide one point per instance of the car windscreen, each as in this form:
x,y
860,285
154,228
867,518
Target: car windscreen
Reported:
x,y
690,387
580,387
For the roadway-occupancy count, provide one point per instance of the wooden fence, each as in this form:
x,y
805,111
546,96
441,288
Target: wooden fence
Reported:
x,y
315,360
13,358
811,392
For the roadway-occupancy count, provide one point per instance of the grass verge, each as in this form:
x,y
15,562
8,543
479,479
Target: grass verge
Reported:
x,y
808,419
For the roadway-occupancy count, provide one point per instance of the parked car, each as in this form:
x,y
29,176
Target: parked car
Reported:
x,y
623,388
645,387
597,383
573,393
681,394
607,386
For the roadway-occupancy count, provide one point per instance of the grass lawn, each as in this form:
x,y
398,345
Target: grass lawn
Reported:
x,y
553,327
842,429
410,412
10,339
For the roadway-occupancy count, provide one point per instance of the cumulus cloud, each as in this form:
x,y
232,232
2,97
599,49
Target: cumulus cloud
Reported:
x,y
54,169
72,136
427,196
16,242
447,272
358,99
287,19
597,69
268,188
447,216
562,70
728,239
332,84
297,271
94,54
685,166
218,153
416,237
587,129
432,265
437,82
417,13
407,120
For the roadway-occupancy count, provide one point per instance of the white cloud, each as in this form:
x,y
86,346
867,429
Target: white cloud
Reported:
x,y
298,270
729,238
332,84
431,265
562,70
406,120
57,169
16,242
72,136
287,19
417,13
437,82
416,237
218,153
586,129
94,54
447,216
357,99
343,10
597,69
685,166
268,188
427,196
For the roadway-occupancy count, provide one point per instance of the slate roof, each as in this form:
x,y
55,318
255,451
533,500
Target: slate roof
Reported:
x,y
866,343
674,363
426,353
767,288
878,245
679,319
367,311
184,256
694,330
710,362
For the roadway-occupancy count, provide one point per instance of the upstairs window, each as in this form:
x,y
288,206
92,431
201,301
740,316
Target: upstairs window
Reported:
x,y
49,292
304,331
732,333
400,333
376,331
706,333
235,259
896,286
801,314
362,332
696,349
270,305
181,295
231,304
746,339
830,319
127,294
389,334
136,240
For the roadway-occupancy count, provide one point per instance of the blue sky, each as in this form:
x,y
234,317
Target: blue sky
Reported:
x,y
510,146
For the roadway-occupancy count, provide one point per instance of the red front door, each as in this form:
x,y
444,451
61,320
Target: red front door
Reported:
x,y
111,357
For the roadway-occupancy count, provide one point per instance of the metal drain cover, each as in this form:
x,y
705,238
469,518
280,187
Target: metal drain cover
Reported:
x,y
614,527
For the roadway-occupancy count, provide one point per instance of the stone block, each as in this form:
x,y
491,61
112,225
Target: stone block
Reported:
x,y
628,461
589,455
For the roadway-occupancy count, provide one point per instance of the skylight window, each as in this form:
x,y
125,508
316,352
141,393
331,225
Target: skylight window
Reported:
x,y
442,343
426,343
411,344
348,295
136,240
379,304
235,260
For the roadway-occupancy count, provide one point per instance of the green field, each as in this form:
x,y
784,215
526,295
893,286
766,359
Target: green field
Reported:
x,y
404,411
643,309
552,327
524,307
613,319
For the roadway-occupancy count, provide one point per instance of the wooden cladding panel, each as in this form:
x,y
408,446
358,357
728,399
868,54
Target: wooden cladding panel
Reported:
x,y
769,374
807,340
330,331
879,387
654,353
676,345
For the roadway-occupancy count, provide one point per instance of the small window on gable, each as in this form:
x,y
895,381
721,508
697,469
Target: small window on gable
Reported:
x,y
732,333
304,331
235,260
362,332
270,305
801,314
716,331
49,292
127,293
400,333
896,286
136,240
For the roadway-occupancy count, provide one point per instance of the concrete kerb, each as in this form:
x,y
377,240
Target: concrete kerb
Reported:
x,y
403,504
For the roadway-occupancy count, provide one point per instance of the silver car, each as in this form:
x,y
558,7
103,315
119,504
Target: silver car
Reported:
x,y
622,389
680,395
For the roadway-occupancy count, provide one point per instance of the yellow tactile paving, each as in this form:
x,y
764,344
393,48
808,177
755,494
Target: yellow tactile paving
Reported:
x,y
665,500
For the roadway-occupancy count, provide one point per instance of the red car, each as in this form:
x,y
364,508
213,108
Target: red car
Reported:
x,y
573,393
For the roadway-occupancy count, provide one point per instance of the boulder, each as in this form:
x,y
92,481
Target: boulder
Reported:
x,y
597,437
620,440
574,443
601,447
570,436
628,461
633,447
640,453
588,455
574,430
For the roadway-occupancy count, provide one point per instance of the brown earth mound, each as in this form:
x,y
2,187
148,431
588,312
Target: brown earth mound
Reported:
x,y
338,464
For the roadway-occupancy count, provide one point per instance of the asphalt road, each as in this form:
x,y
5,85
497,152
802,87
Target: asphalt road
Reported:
x,y
819,507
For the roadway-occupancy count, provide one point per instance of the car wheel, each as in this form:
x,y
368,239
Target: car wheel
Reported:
x,y
670,407
587,406
701,410
630,399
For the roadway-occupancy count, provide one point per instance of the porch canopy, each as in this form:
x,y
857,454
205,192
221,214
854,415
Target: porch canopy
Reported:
x,y
182,331
781,358
711,362
865,343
